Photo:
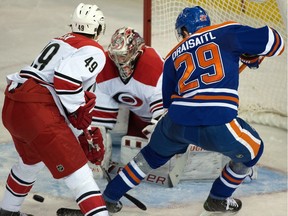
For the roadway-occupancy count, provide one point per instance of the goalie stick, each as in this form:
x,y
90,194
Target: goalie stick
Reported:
x,y
176,173
135,201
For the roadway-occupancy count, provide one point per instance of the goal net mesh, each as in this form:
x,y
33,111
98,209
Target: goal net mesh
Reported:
x,y
262,92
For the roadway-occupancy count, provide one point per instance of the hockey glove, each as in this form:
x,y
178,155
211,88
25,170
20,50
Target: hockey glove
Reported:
x,y
82,117
148,130
95,153
252,61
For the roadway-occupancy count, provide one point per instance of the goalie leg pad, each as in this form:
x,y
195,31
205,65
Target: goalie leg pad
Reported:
x,y
107,140
131,146
153,159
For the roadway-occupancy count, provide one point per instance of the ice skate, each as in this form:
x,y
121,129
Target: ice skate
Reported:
x,y
229,206
9,213
113,207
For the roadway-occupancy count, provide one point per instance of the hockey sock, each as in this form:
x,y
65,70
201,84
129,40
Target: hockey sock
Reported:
x,y
19,183
86,192
129,177
133,173
15,193
226,183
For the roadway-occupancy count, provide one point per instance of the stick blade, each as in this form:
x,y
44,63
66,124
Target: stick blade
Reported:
x,y
175,174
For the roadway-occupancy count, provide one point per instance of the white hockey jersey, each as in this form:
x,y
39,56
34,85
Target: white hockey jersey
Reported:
x,y
142,94
67,66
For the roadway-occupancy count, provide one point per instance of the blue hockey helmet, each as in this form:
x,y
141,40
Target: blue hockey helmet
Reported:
x,y
191,19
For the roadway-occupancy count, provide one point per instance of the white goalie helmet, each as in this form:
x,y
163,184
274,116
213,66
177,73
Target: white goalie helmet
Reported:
x,y
88,19
124,49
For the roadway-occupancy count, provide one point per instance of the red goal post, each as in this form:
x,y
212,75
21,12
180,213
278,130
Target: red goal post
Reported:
x,y
263,93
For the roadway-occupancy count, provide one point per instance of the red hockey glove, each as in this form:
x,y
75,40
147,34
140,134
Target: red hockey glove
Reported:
x,y
95,153
82,117
89,96
252,61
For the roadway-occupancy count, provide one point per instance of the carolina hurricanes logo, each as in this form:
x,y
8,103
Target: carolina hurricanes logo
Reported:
x,y
127,99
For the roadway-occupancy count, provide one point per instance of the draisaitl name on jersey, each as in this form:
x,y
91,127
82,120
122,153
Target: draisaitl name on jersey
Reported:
x,y
192,42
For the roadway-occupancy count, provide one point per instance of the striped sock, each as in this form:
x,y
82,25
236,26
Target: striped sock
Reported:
x,y
226,183
129,177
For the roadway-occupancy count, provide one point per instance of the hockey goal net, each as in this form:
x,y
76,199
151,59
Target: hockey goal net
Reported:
x,y
263,92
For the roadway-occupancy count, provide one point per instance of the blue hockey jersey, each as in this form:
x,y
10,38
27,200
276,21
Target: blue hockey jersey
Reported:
x,y
201,74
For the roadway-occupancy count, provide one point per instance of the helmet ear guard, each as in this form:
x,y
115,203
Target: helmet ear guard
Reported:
x,y
190,20
88,19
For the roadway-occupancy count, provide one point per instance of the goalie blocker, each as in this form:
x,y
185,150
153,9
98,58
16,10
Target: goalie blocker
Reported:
x,y
196,164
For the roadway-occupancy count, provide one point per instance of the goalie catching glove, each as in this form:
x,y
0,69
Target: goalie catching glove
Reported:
x,y
252,61
148,130
82,117
94,153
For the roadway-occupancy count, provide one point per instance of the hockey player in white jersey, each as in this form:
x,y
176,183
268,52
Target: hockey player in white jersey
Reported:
x,y
132,77
40,103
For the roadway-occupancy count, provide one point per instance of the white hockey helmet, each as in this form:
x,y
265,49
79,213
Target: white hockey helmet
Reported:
x,y
88,19
124,49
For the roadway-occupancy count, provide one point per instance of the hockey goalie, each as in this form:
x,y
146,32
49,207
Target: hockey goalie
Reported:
x,y
132,80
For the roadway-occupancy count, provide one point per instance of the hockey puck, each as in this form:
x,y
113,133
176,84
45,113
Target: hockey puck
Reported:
x,y
38,198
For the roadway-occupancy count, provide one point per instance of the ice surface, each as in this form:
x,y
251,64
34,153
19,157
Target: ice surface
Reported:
x,y
26,26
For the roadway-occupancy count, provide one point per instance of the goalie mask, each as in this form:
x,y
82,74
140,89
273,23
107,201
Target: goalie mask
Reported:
x,y
125,48
88,19
190,20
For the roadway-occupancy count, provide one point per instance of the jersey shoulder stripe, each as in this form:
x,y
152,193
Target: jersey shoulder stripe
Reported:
x,y
203,30
78,41
278,44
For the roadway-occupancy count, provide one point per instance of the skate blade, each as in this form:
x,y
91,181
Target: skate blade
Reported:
x,y
207,213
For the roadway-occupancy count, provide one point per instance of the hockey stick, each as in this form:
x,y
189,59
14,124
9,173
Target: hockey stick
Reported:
x,y
176,173
135,201
68,212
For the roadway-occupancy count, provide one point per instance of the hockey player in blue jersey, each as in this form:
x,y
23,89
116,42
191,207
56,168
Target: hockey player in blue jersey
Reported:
x,y
200,91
